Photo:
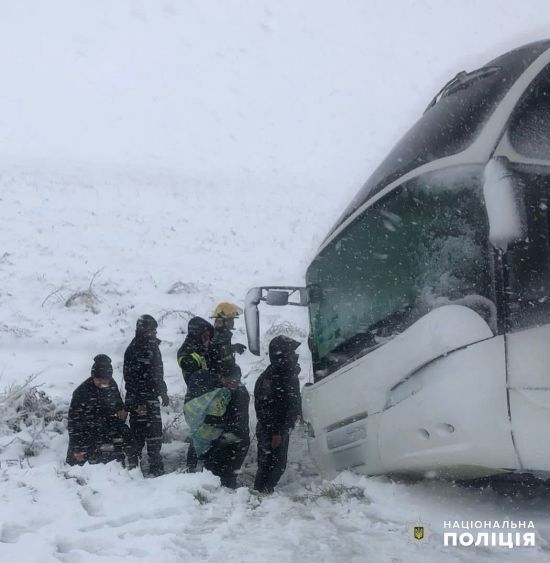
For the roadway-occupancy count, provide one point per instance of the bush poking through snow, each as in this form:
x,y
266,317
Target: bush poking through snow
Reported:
x,y
184,287
86,298
174,427
334,492
180,314
16,331
285,328
201,498
79,480
26,412
57,294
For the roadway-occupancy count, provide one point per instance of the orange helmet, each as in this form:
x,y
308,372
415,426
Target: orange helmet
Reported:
x,y
227,311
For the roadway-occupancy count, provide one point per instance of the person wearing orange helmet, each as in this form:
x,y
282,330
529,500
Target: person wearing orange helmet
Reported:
x,y
222,351
229,456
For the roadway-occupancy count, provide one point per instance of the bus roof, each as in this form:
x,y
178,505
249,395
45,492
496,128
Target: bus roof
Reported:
x,y
451,122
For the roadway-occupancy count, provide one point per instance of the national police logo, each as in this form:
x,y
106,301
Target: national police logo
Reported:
x,y
418,532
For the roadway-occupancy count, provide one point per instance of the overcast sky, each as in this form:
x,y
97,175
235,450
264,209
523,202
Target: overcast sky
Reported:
x,y
310,92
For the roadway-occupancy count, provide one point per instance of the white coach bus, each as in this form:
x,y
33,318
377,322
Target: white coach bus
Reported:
x,y
429,301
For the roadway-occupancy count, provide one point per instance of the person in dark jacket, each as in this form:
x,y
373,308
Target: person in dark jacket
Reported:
x,y
205,407
229,452
221,353
144,381
97,429
236,428
278,405
192,358
192,354
235,442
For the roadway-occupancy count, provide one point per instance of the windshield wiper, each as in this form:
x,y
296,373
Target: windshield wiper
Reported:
x,y
462,81
375,335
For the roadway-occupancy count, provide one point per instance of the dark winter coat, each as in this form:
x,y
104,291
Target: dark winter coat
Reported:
x,y
228,452
236,416
205,405
92,414
221,357
143,371
277,399
235,420
192,355
203,381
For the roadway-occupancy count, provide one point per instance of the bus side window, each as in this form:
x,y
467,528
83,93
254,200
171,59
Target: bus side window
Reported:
x,y
529,130
528,262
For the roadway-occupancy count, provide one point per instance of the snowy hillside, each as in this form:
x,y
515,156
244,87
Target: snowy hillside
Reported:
x,y
159,158
85,253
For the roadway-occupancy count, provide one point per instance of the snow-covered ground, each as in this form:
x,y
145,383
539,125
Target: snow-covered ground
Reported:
x,y
159,158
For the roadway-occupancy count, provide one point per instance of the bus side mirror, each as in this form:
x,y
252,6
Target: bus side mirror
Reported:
x,y
276,297
252,319
500,191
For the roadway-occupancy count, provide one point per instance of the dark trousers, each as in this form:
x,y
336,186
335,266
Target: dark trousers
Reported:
x,y
225,458
112,441
271,461
147,430
241,451
192,458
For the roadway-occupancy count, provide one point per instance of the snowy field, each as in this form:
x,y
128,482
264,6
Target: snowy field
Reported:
x,y
159,158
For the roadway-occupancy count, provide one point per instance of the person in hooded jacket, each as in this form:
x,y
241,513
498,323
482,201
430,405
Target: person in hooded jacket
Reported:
x,y
213,409
278,405
229,451
192,358
96,424
144,381
192,355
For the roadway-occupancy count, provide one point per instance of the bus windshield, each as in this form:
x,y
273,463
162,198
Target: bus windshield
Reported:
x,y
423,245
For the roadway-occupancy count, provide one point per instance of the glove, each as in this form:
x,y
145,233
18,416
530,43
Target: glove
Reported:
x,y
276,441
165,400
238,348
